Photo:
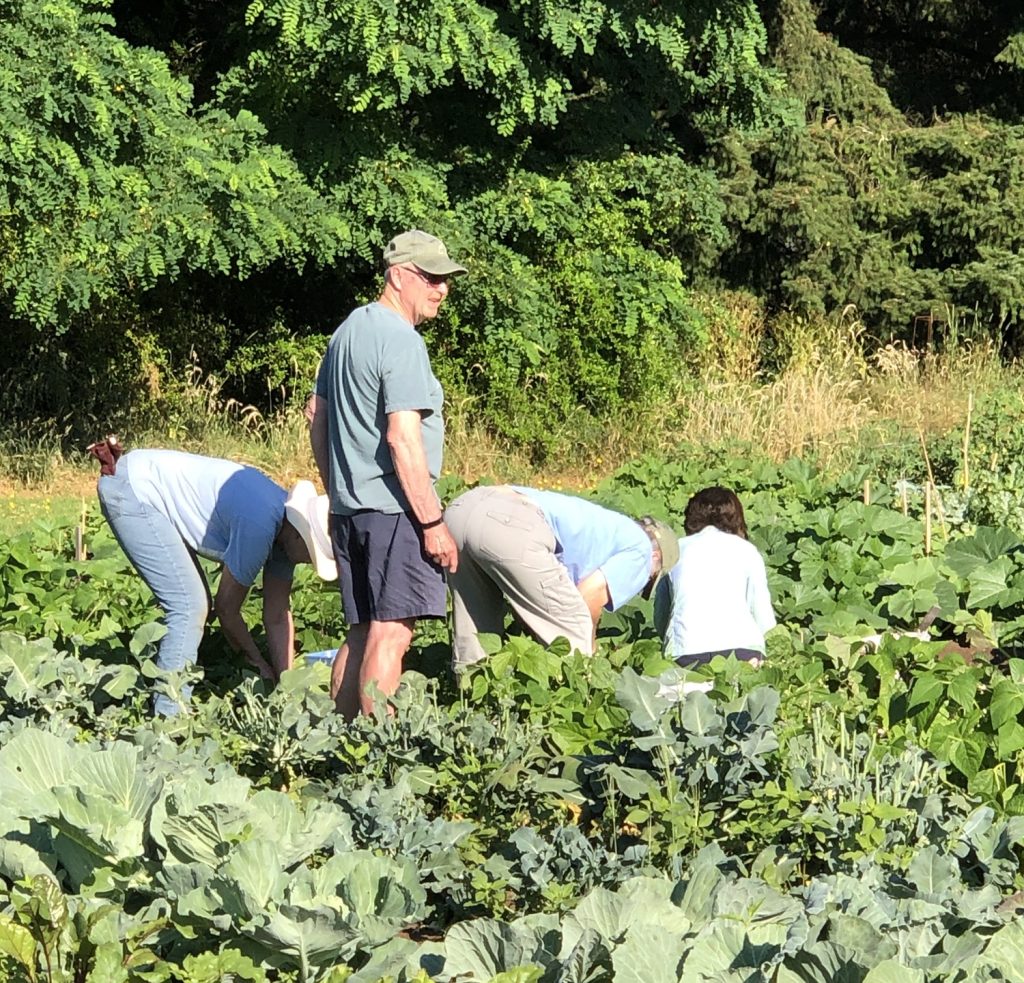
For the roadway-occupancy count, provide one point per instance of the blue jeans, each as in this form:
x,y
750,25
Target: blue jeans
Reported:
x,y
171,571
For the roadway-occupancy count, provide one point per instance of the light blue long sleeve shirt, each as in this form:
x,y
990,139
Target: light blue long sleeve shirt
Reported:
x,y
589,537
715,598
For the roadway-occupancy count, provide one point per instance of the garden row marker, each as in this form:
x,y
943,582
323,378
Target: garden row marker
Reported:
x,y
80,537
927,518
967,440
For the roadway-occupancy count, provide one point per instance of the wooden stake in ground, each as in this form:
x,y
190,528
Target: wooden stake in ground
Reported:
x,y
867,491
924,452
903,497
941,513
967,441
80,537
927,518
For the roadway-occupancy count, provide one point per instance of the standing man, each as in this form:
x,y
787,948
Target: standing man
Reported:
x,y
556,560
377,434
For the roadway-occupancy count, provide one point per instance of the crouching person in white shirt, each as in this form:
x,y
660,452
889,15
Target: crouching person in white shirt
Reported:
x,y
715,600
167,508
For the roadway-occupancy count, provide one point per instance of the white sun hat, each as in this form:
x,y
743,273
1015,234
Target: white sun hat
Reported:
x,y
307,512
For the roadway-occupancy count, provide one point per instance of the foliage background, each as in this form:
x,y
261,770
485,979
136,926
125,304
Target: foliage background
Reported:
x,y
204,188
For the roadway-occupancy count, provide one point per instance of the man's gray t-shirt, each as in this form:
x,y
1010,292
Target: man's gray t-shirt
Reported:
x,y
376,364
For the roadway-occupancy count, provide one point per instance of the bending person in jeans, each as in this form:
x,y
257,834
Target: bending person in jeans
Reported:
x,y
167,508
558,561
715,600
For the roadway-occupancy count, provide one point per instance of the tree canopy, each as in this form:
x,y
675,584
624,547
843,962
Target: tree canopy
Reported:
x,y
214,180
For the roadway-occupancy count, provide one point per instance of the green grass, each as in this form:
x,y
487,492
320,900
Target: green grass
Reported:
x,y
829,400
23,509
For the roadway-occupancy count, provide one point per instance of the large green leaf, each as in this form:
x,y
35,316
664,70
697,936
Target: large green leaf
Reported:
x,y
988,585
1003,957
480,949
724,953
705,880
987,544
26,668
639,695
219,804
32,764
764,913
650,953
207,833
105,831
890,971
296,833
19,861
583,961
920,573
1006,703
701,720
318,937
17,942
252,878
377,895
859,937
931,874
614,915
823,962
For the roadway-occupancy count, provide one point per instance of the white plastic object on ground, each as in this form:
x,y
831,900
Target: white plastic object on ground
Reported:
x,y
326,656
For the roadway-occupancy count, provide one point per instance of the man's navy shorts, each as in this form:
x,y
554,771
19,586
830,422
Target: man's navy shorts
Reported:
x,y
382,570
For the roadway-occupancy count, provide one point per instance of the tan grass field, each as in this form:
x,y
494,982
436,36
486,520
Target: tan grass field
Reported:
x,y
827,398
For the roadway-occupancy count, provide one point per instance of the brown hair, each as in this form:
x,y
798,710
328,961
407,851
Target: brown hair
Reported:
x,y
718,507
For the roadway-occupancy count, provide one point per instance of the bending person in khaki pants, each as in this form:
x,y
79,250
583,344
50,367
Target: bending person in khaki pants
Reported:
x,y
558,561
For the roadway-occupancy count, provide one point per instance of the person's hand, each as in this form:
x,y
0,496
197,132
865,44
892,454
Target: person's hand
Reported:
x,y
440,547
263,667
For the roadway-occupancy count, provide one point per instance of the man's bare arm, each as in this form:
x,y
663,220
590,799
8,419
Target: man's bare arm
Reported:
x,y
594,590
405,441
316,413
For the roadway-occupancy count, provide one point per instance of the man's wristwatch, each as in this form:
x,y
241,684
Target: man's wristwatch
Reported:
x,y
430,525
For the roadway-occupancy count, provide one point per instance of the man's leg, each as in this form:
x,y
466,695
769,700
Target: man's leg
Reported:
x,y
349,554
477,607
386,584
370,659
477,604
381,669
345,671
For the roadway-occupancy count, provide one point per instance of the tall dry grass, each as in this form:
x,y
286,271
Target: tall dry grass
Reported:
x,y
815,399
788,386
794,386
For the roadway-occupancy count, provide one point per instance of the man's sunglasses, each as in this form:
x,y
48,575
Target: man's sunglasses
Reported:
x,y
434,279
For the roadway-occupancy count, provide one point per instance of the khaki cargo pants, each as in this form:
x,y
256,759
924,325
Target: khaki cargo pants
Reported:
x,y
507,559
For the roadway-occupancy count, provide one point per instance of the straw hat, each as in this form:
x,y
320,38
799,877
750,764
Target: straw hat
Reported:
x,y
307,512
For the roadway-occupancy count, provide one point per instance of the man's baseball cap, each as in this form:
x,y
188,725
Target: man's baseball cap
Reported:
x,y
425,252
668,545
